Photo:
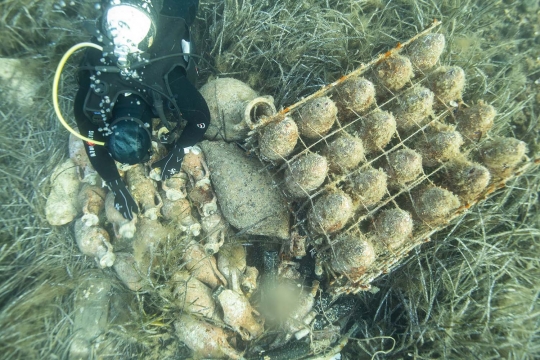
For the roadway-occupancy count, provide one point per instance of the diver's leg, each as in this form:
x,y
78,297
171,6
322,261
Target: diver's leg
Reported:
x,y
186,9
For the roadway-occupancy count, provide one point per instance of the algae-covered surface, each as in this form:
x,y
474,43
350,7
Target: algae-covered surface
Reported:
x,y
470,293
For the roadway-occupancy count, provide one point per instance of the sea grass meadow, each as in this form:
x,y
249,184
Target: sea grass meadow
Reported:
x,y
472,292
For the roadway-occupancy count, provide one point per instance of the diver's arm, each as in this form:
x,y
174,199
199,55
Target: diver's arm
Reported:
x,y
100,158
195,111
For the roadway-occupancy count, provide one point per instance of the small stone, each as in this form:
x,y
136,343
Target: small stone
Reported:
x,y
447,82
394,72
376,130
316,117
305,174
474,122
344,153
403,166
278,140
435,205
330,212
353,97
426,51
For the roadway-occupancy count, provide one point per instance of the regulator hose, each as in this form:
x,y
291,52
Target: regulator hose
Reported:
x,y
56,83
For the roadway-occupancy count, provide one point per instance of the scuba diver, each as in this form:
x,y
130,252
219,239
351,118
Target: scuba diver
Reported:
x,y
145,71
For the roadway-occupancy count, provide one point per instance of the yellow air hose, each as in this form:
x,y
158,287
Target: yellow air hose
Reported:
x,y
56,82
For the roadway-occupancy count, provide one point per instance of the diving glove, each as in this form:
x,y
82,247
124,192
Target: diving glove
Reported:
x,y
170,164
123,201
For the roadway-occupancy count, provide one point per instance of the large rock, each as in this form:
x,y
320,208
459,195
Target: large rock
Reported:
x,y
245,194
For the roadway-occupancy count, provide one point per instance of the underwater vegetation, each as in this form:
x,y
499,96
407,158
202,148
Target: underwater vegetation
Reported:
x,y
471,292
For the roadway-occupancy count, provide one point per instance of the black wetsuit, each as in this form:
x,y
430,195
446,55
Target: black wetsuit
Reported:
x,y
174,21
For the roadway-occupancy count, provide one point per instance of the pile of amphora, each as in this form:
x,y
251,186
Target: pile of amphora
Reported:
x,y
277,214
